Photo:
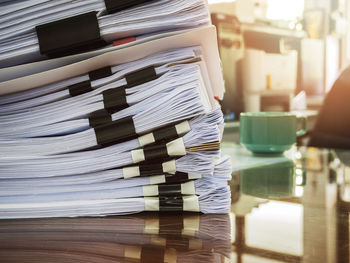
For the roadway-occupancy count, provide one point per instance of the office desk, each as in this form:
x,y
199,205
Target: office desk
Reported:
x,y
289,208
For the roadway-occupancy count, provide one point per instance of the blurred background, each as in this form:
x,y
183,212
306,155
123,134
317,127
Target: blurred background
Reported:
x,y
280,55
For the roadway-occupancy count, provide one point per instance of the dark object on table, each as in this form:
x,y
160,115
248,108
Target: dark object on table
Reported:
x,y
332,129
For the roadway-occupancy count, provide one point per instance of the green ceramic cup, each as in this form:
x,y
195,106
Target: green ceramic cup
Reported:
x,y
270,132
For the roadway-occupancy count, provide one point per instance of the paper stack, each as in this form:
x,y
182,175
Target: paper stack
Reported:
x,y
134,129
34,30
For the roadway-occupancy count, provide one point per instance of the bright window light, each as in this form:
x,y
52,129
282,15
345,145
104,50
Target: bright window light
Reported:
x,y
284,9
219,1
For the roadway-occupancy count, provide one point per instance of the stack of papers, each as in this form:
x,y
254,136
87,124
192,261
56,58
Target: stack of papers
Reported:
x,y
135,129
26,28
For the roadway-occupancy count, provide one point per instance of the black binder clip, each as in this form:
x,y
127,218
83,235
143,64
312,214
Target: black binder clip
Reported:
x,y
114,6
69,36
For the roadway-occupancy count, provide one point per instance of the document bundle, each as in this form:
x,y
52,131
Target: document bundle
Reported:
x,y
133,129
34,30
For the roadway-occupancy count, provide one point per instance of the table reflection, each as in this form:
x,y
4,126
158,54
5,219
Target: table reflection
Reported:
x,y
274,181
148,237
293,209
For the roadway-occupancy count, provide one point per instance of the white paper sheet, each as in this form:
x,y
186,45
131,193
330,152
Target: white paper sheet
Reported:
x,y
46,72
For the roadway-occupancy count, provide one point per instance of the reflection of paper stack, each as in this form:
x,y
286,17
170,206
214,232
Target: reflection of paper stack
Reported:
x,y
246,204
139,238
81,133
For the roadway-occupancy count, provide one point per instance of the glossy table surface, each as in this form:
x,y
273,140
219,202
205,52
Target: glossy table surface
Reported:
x,y
290,208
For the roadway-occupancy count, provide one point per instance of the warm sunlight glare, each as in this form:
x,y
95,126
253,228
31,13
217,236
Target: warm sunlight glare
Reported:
x,y
285,9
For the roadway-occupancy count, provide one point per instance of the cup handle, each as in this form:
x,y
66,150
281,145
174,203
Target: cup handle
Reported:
x,y
303,130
